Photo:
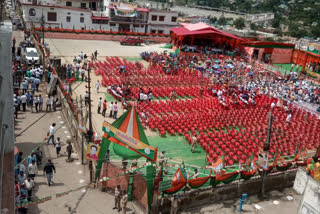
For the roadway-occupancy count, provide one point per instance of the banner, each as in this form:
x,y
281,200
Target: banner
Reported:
x,y
133,169
145,150
314,48
126,10
93,151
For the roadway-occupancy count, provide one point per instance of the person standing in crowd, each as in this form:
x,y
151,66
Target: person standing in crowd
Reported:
x,y
21,177
40,102
31,104
82,73
174,204
288,116
115,110
29,185
32,169
48,102
54,103
194,143
111,109
24,86
51,133
37,83
98,85
117,197
124,201
38,154
104,108
58,146
86,98
99,105
24,102
48,171
36,103
69,149
49,76
95,55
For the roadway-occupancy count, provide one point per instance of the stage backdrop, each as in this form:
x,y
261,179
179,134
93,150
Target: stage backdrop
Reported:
x,y
281,56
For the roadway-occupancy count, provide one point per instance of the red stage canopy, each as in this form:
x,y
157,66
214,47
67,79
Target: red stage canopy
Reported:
x,y
201,28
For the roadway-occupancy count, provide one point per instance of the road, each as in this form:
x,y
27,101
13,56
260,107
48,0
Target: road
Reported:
x,y
68,49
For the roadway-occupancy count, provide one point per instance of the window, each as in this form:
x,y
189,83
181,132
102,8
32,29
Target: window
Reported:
x,y
52,17
161,18
69,4
154,18
173,19
83,5
153,31
68,19
32,12
81,19
112,25
160,31
135,26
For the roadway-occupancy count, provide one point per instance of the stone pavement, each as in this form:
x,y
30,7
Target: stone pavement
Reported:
x,y
30,131
284,202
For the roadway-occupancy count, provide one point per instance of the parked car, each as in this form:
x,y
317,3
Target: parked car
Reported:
x,y
31,53
131,41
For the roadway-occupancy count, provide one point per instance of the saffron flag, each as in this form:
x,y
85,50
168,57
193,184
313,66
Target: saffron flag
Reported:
x,y
218,166
275,158
252,163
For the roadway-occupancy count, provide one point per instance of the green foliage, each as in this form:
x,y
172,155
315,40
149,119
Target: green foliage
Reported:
x,y
239,23
253,26
222,20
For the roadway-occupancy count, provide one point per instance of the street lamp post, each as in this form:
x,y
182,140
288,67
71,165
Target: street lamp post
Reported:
x,y
90,131
266,148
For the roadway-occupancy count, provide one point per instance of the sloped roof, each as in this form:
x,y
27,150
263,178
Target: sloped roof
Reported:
x,y
200,28
266,44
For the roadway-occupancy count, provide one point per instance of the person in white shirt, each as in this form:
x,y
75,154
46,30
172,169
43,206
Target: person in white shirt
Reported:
x,y
111,109
48,102
28,185
99,105
288,117
98,85
51,133
32,169
24,102
58,146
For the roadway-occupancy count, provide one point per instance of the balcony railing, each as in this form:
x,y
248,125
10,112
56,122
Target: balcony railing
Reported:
x,y
131,20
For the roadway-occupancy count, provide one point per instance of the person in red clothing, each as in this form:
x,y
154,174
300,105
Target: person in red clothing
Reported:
x,y
104,108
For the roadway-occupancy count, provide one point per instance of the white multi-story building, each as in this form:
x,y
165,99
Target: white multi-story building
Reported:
x,y
95,15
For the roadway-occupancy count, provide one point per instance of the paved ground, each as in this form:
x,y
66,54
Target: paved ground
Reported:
x,y
31,129
284,202
71,48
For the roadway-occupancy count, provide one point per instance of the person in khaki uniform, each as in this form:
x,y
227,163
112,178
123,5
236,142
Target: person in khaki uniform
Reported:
x,y
124,201
174,204
117,197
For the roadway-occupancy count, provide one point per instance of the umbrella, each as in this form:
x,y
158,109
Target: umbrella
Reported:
x,y
251,73
216,66
230,65
218,71
122,67
217,61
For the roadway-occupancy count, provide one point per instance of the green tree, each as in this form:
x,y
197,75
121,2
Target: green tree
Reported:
x,y
222,20
253,27
239,23
213,20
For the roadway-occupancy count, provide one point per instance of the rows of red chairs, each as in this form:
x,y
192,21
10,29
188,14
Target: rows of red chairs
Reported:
x,y
206,116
